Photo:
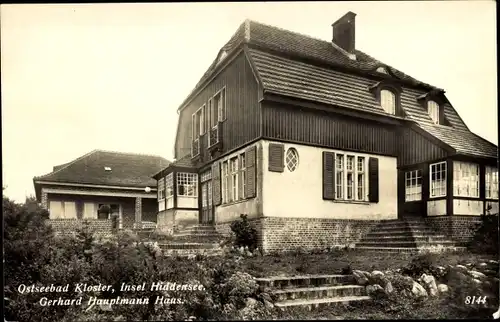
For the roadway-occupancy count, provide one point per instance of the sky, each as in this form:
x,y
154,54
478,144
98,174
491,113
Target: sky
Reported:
x,y
79,77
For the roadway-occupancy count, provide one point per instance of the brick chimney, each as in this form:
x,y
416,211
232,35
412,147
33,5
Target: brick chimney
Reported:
x,y
343,32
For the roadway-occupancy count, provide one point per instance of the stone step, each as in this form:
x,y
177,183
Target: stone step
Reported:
x,y
194,238
402,249
309,293
383,243
315,303
416,238
188,245
188,252
283,282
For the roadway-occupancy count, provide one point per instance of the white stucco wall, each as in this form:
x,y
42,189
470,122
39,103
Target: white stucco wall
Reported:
x,y
467,207
187,202
299,193
436,207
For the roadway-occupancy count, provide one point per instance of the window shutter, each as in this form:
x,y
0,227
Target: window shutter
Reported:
x,y
240,181
251,177
216,184
276,157
373,184
328,175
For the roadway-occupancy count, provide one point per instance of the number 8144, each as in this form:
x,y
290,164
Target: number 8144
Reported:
x,y
475,300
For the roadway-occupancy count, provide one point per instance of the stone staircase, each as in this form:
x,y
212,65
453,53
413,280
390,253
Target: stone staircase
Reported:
x,y
198,239
404,235
313,291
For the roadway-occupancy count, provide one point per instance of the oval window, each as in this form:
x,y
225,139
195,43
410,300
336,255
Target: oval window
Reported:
x,y
292,159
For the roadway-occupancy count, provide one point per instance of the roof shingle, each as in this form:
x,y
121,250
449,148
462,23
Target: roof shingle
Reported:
x,y
127,169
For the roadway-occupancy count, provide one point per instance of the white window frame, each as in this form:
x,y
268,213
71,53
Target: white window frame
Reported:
x,y
413,185
220,103
388,101
465,179
233,171
433,110
161,189
64,214
491,182
225,182
243,176
357,169
189,184
292,155
169,186
435,190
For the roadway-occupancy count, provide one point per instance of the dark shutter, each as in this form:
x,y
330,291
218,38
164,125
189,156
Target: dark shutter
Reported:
x,y
373,184
240,181
216,184
276,157
328,175
251,176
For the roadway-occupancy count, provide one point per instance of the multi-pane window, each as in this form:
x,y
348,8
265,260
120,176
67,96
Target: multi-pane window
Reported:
x,y
198,121
438,179
225,183
169,185
220,104
465,179
388,101
361,178
187,184
292,159
161,189
243,173
350,179
233,169
491,182
433,109
413,185
339,179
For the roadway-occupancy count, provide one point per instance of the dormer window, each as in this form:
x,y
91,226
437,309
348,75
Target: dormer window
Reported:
x,y
388,101
433,110
381,70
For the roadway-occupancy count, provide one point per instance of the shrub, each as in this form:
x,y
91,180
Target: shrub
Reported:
x,y
486,237
245,233
420,264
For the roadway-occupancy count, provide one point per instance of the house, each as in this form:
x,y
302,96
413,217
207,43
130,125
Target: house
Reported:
x,y
99,185
317,141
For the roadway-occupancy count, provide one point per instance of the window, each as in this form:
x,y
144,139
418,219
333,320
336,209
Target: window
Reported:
x,y
198,121
220,104
381,70
433,109
161,189
465,179
169,185
413,185
339,164
225,183
292,159
243,173
350,179
388,101
187,184
361,178
212,113
233,169
438,179
491,182
62,209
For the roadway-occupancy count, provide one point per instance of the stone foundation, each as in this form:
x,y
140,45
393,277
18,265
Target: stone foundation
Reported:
x,y
101,227
460,229
283,234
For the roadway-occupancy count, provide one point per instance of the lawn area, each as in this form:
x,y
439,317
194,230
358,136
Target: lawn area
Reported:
x,y
334,262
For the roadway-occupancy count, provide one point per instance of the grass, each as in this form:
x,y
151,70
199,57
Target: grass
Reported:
x,y
335,261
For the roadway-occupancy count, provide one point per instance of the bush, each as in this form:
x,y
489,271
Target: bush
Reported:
x,y
420,264
486,237
245,233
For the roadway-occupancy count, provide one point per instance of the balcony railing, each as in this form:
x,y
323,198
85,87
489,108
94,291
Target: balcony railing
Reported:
x,y
195,147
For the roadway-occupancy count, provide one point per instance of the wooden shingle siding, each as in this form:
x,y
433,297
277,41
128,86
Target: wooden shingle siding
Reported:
x,y
242,108
373,180
415,148
251,176
276,157
328,175
216,184
328,130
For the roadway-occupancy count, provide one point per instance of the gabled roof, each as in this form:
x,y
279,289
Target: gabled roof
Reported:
x,y
184,162
127,169
298,66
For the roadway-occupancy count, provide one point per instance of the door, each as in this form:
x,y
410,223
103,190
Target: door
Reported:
x,y
207,209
